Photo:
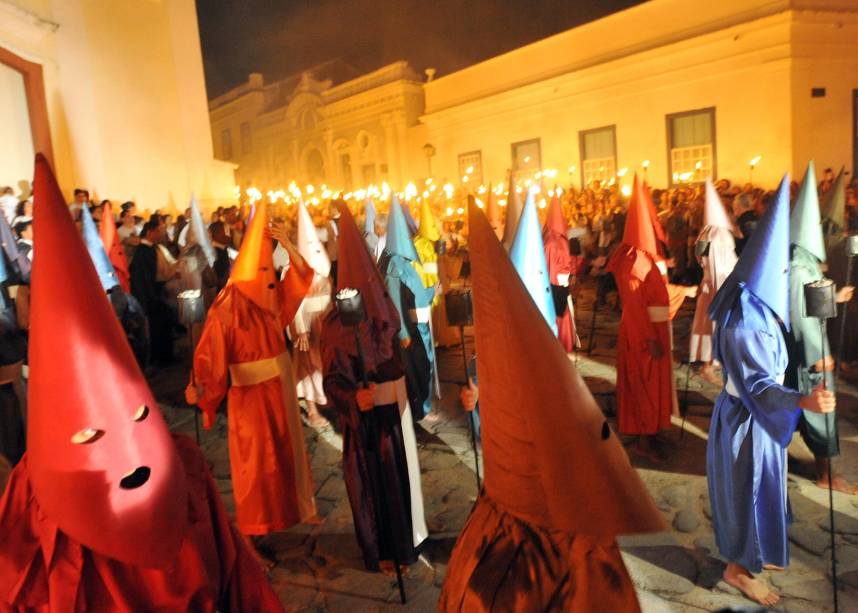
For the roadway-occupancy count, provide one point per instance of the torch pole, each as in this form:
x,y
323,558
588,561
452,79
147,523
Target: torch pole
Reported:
x,y
382,488
470,413
830,486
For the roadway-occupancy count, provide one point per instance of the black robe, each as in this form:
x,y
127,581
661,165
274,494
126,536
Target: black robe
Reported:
x,y
149,292
373,450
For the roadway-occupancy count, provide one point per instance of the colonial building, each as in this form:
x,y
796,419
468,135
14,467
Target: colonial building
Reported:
x,y
114,93
678,89
325,125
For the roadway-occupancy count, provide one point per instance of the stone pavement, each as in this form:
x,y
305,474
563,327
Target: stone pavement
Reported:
x,y
319,568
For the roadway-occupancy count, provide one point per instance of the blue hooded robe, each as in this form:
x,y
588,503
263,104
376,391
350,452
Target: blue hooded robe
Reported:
x,y
755,415
413,301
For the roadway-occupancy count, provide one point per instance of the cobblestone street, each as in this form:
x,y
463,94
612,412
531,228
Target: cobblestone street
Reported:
x,y
320,569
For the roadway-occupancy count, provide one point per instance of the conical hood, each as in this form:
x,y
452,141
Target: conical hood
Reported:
x,y
201,232
398,236
19,262
309,245
409,220
538,417
805,223
834,205
528,256
253,273
95,247
428,226
555,221
113,246
513,214
763,267
101,461
714,213
493,211
369,219
640,230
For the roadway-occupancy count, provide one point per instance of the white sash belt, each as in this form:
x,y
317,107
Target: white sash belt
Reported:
x,y
658,314
563,280
420,315
730,387
430,268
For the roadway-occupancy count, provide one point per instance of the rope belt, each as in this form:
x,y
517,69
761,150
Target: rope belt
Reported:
x,y
658,314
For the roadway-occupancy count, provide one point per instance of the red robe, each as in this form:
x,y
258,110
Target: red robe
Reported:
x,y
644,383
43,569
242,352
561,267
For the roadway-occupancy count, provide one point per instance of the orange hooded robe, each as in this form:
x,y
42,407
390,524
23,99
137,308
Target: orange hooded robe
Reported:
x,y
242,354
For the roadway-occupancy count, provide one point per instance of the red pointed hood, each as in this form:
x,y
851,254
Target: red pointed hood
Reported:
x,y
539,418
642,226
253,273
555,221
113,247
101,461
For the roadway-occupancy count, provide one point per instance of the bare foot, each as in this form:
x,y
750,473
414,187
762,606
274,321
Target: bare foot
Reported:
x,y
773,567
838,484
432,417
387,569
753,589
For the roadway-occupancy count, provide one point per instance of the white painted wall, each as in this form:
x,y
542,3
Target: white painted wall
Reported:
x,y
16,144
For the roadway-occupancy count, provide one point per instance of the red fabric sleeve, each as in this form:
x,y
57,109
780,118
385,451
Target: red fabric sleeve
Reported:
x,y
211,367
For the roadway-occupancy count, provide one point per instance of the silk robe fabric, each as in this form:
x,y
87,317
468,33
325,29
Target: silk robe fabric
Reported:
x,y
308,320
407,292
272,483
746,458
379,445
427,269
809,344
502,563
560,264
43,569
644,384
717,266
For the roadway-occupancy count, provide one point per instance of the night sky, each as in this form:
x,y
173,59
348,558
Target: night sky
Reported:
x,y
283,37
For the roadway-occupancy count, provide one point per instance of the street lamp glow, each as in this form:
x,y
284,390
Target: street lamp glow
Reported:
x,y
755,161
622,172
626,190
645,164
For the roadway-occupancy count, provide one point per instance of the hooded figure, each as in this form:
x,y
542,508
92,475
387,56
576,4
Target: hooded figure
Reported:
x,y
113,246
242,354
513,214
387,426
107,511
541,537
560,270
306,328
644,365
809,342
834,227
755,415
128,311
13,351
717,262
413,302
425,243
528,257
